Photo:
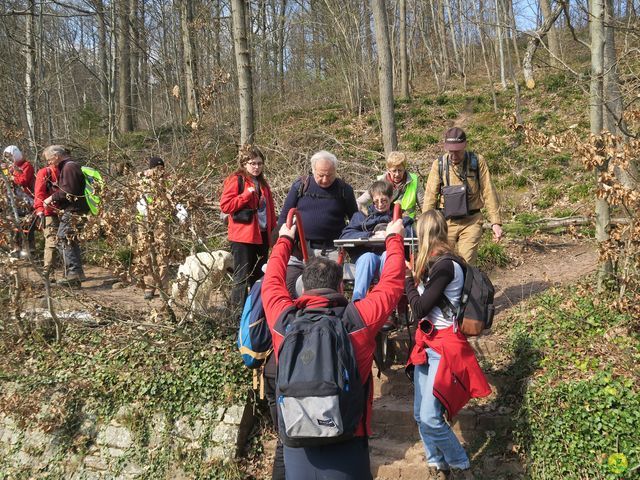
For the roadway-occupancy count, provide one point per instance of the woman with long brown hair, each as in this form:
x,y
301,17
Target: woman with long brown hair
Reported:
x,y
247,200
445,371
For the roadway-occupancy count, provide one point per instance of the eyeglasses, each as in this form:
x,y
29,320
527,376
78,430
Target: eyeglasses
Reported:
x,y
255,164
396,171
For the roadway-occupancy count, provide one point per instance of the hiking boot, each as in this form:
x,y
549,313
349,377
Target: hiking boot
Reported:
x,y
437,474
15,253
458,474
24,254
149,295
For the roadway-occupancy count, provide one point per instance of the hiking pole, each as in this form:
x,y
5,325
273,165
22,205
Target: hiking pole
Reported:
x,y
298,220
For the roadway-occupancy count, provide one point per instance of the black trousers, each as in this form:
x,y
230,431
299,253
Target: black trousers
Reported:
x,y
270,392
248,259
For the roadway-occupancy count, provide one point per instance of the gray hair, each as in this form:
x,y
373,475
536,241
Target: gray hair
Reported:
x,y
56,150
323,155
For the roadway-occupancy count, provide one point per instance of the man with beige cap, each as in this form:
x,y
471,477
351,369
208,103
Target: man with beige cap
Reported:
x,y
460,185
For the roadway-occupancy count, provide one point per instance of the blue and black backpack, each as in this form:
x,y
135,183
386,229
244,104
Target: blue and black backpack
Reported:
x,y
254,337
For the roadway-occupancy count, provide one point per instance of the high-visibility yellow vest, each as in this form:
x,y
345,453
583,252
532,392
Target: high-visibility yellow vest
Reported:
x,y
410,196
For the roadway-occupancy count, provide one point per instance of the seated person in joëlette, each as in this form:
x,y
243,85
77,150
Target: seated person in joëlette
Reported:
x,y
369,259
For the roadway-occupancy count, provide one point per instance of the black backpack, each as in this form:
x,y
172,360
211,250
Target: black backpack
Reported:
x,y
476,310
320,397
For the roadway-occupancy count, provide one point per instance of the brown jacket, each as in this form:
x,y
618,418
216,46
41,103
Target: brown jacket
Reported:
x,y
480,195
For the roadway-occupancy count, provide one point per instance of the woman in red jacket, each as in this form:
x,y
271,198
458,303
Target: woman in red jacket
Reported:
x,y
446,372
247,200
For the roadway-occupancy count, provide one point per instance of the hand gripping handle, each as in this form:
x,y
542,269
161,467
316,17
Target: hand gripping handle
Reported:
x,y
303,243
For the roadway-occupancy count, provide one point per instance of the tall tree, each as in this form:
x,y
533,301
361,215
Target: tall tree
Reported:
x,y
189,57
596,104
404,60
124,69
385,76
243,66
29,80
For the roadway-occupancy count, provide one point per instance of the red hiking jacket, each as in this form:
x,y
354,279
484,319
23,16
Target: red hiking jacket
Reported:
x,y
232,201
25,178
459,376
373,310
45,179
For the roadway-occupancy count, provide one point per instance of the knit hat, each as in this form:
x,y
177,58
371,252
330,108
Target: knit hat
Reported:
x,y
156,162
14,152
455,139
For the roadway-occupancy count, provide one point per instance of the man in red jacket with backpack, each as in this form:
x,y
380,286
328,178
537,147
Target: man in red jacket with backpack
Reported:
x,y
46,185
321,303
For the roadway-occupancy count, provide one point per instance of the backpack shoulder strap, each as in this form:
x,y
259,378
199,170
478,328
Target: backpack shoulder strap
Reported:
x,y
445,304
240,184
472,165
303,187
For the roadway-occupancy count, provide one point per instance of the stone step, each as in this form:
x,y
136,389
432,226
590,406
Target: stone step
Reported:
x,y
393,419
396,460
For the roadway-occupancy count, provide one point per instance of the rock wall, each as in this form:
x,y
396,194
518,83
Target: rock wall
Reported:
x,y
133,443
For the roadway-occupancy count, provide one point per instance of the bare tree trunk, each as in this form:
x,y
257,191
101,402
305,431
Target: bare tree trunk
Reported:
x,y
613,119
134,61
437,13
484,56
534,42
447,4
554,38
190,64
243,64
29,80
404,61
124,71
102,51
281,45
385,76
596,28
499,27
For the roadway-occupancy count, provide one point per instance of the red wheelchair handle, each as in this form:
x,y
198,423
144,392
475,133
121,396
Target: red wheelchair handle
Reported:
x,y
397,212
303,243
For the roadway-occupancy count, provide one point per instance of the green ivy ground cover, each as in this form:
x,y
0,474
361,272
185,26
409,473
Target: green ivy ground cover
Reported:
x,y
578,362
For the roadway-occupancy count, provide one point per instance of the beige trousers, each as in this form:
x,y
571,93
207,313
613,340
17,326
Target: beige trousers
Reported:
x,y
51,224
465,234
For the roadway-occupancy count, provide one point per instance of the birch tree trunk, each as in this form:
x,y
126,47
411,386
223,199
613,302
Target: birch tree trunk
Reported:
x,y
596,29
243,65
404,61
385,76
484,55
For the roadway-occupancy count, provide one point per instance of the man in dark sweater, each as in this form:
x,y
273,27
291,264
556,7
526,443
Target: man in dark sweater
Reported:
x,y
70,198
325,203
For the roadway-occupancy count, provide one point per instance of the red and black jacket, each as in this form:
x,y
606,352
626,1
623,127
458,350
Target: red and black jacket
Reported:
x,y
363,318
232,200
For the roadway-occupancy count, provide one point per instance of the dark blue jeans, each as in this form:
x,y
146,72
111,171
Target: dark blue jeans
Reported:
x,y
68,243
341,461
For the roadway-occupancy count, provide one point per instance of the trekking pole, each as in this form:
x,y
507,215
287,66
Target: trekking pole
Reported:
x,y
303,243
